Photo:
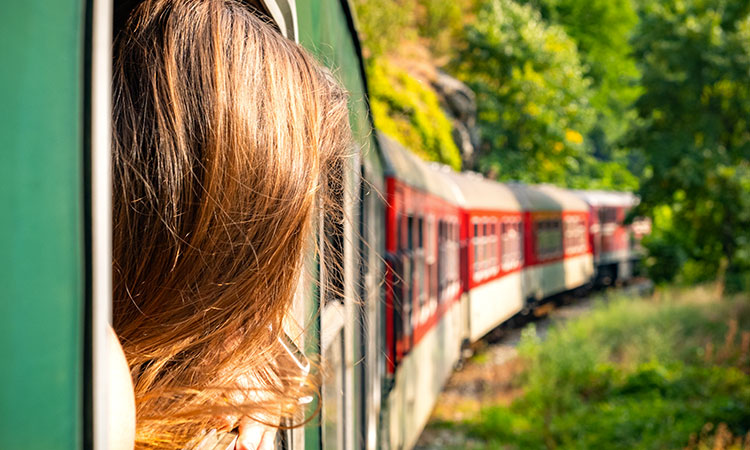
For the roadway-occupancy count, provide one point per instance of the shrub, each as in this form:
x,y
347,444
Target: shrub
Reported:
x,y
632,374
408,111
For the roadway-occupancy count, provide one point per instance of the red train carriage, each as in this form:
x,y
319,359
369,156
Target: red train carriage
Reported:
x,y
423,318
557,253
615,245
492,249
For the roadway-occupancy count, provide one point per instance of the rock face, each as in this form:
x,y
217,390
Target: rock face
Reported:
x,y
459,104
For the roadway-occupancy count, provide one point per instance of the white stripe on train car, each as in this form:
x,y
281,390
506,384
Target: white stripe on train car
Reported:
x,y
544,280
421,376
493,303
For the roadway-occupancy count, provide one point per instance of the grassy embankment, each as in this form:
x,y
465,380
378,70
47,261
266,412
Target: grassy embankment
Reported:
x,y
666,372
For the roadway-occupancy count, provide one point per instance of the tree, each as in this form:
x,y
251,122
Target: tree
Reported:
x,y
694,130
533,99
602,29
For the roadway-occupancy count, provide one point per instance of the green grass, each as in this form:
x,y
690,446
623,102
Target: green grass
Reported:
x,y
632,374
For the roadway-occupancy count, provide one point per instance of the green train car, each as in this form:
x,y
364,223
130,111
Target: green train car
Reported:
x,y
55,229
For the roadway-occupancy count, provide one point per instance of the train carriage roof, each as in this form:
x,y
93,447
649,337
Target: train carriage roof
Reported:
x,y
547,198
405,166
480,193
610,199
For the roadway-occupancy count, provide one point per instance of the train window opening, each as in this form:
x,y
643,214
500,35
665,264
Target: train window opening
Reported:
x,y
549,238
575,234
432,267
420,263
483,249
441,260
403,231
503,246
506,250
490,252
453,250
410,232
456,252
556,238
399,240
398,282
475,242
420,233
432,239
448,253
409,287
332,277
607,215
521,239
493,246
511,245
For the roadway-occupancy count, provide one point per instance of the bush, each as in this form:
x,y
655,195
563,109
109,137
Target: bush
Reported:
x,y
410,112
632,374
533,99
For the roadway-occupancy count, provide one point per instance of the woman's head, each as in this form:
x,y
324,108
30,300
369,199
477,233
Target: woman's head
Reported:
x,y
225,137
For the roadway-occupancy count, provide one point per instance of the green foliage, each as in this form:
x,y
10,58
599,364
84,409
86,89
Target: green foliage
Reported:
x,y
401,105
601,30
384,24
613,174
633,374
410,112
694,132
665,256
441,25
532,97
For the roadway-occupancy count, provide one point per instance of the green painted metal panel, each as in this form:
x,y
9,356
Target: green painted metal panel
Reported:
x,y
324,30
41,224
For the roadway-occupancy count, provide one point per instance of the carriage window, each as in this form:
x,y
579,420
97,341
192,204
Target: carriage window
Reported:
x,y
549,238
540,229
399,241
482,247
410,232
493,245
607,215
420,233
512,245
431,241
475,240
441,258
458,250
485,248
420,263
521,251
408,276
574,234
506,247
333,237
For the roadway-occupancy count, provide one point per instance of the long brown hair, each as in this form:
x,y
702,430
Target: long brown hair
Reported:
x,y
226,136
